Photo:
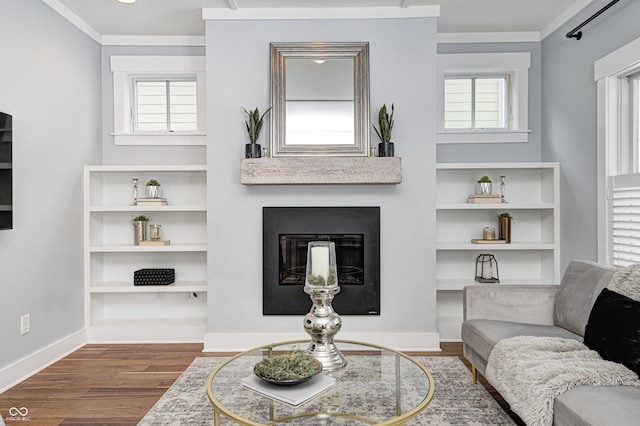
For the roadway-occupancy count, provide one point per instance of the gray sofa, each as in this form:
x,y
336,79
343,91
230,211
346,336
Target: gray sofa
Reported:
x,y
493,312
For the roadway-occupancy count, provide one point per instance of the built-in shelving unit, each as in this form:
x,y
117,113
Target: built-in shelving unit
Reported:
x,y
532,198
115,309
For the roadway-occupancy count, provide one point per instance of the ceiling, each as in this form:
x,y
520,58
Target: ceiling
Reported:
x,y
184,17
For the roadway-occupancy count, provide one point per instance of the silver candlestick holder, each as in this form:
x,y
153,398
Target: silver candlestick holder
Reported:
x,y
322,323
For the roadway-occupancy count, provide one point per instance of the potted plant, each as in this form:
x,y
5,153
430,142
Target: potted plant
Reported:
x,y
152,188
254,125
504,226
385,125
484,186
139,228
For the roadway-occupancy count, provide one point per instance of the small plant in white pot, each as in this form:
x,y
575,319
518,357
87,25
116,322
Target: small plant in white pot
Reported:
x,y
152,188
484,186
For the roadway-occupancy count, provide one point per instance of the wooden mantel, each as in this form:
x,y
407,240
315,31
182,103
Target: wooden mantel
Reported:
x,y
321,171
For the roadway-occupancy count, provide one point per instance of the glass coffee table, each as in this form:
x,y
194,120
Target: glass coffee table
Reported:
x,y
378,386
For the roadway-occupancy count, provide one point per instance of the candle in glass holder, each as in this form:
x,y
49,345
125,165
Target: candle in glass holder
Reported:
x,y
321,264
488,233
487,272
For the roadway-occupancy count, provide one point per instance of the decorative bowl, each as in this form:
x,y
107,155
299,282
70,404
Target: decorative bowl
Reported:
x,y
287,373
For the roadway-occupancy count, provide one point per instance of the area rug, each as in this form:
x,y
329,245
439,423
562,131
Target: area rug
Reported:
x,y
457,400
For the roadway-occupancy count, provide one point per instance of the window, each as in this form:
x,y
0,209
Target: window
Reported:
x,y
159,100
483,97
475,102
618,84
165,105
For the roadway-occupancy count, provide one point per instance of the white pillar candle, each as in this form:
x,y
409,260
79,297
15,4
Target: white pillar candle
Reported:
x,y
486,270
320,262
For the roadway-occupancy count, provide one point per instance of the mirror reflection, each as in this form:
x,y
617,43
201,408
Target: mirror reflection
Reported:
x,y
320,99
321,112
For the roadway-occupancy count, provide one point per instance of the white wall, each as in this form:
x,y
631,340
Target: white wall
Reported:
x,y
402,61
50,83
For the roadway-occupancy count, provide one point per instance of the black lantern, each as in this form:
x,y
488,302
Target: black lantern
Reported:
x,y
487,269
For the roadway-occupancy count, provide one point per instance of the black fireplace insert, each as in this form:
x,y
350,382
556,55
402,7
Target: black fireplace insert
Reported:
x,y
356,234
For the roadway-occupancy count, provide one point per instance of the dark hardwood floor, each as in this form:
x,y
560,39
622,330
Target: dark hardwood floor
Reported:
x,y
118,384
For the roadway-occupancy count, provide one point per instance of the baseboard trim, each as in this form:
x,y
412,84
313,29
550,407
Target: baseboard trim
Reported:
x,y
22,369
406,342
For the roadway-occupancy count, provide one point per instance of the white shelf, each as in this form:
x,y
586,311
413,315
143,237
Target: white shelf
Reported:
x,y
147,168
500,207
493,247
147,249
128,287
532,194
116,310
140,209
457,284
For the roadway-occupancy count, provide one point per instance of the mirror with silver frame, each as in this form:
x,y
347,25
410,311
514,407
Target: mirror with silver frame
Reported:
x,y
320,99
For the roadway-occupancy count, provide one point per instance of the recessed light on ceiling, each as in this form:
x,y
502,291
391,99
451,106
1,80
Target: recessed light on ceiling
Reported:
x,y
127,1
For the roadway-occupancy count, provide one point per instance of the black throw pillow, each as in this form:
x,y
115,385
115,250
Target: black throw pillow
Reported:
x,y
613,329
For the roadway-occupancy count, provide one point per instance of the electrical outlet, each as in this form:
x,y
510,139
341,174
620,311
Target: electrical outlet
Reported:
x,y
191,295
25,324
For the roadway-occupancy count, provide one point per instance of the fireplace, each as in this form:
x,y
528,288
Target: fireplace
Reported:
x,y
356,234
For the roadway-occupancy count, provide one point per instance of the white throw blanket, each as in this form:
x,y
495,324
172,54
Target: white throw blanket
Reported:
x,y
529,372
626,281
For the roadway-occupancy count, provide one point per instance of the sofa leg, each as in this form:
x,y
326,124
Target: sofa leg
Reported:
x,y
474,374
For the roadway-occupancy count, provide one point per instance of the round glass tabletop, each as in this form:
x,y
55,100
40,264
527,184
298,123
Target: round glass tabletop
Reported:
x,y
378,386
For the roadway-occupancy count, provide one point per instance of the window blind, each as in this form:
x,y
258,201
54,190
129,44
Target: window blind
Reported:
x,y
625,223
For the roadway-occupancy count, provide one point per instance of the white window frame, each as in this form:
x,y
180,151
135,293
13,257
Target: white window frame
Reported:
x,y
614,149
516,65
126,68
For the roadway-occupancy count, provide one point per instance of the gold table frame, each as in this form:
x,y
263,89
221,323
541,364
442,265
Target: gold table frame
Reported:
x,y
399,419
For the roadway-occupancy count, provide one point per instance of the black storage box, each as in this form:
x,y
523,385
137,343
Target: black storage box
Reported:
x,y
164,276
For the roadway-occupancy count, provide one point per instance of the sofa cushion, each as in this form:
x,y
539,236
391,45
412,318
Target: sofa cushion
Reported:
x,y
614,329
482,335
597,405
581,284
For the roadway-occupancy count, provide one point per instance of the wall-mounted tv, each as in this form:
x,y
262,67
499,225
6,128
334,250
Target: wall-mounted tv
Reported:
x,y
6,175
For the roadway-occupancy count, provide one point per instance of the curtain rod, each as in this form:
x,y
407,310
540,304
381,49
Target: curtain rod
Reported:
x,y
578,35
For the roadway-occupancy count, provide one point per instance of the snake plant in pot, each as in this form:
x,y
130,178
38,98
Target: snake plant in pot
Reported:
x,y
254,124
385,125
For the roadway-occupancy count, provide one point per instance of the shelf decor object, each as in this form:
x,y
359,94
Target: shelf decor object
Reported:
x,y
486,265
135,191
140,229
484,186
322,323
504,226
152,189
154,232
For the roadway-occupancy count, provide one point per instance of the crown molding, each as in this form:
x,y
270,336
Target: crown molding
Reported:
x,y
511,37
314,13
138,40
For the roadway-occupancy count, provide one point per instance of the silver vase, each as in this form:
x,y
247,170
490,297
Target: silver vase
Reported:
x,y
152,191
139,231
484,188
